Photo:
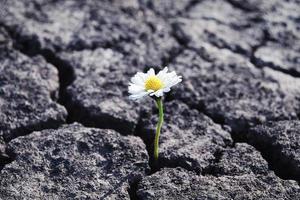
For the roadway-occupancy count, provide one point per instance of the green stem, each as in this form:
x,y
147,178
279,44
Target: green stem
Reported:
x,y
158,128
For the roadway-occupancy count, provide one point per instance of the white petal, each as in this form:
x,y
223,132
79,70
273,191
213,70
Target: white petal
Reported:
x,y
151,72
172,79
162,73
139,78
133,89
158,93
138,96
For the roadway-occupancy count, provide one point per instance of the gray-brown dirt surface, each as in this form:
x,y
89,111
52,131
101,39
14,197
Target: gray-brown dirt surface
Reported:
x,y
69,131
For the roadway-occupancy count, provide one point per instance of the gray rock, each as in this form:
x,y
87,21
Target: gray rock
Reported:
x,y
281,142
242,174
41,22
153,45
188,138
5,40
98,96
73,162
38,28
224,13
242,159
218,23
103,43
282,24
137,38
169,8
181,184
28,88
278,57
232,91
280,19
255,5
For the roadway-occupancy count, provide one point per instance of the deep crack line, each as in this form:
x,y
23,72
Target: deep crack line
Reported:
x,y
261,64
240,6
129,153
31,48
65,84
31,116
191,4
167,159
241,137
132,190
265,152
66,77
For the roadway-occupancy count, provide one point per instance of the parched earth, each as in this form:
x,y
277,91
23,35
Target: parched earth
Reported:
x,y
69,131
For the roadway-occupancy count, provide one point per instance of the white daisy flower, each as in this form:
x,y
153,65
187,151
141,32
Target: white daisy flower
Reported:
x,y
143,84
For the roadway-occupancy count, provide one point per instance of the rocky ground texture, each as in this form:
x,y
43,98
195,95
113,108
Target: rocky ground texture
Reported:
x,y
69,131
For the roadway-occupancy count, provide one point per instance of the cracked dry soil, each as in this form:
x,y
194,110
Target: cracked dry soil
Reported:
x,y
68,130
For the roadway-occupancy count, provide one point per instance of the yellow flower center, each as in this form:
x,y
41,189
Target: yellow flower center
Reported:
x,y
153,83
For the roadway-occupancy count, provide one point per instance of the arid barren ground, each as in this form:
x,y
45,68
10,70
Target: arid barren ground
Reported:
x,y
69,131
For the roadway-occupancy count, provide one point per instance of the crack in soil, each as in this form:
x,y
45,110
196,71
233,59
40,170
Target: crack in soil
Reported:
x,y
132,190
240,7
67,76
191,5
261,64
279,167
